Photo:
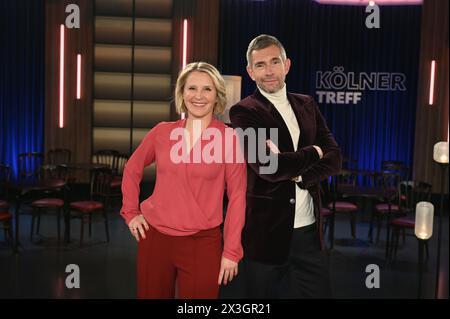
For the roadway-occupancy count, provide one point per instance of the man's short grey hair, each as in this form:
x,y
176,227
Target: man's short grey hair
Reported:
x,y
263,41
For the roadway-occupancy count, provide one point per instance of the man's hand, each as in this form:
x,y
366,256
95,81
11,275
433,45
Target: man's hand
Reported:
x,y
319,150
272,147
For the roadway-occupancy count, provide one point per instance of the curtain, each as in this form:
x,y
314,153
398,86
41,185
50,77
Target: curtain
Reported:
x,y
21,79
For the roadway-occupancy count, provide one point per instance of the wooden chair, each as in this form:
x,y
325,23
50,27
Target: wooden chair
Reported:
x,y
340,204
51,201
59,156
390,207
116,183
411,192
116,162
108,157
29,165
100,185
394,166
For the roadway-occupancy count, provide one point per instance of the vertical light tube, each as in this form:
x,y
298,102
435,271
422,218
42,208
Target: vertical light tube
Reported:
x,y
185,35
61,76
432,75
78,76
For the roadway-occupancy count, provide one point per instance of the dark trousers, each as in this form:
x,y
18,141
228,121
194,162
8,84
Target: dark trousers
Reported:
x,y
304,275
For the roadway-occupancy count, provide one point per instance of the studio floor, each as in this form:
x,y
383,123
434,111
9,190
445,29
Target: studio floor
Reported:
x,y
107,270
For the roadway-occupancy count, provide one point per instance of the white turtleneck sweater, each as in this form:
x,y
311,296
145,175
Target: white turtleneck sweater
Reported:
x,y
304,206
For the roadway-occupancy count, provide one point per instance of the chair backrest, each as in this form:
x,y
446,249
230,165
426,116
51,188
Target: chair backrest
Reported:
x,y
108,157
345,179
396,166
5,176
50,171
29,165
100,183
121,160
59,156
5,173
412,192
390,180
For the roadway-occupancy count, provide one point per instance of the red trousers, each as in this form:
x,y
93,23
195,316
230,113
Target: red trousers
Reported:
x,y
193,262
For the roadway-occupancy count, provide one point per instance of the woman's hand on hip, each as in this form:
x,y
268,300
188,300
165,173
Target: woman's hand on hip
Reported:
x,y
228,270
138,226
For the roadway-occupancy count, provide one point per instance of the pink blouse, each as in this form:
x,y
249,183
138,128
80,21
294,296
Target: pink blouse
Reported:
x,y
188,195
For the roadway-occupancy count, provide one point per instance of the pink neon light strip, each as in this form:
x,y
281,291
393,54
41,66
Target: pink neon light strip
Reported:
x,y
185,34
61,77
431,95
78,76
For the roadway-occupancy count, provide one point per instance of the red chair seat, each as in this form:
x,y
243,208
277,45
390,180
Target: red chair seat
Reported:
x,y
325,212
5,216
86,206
344,207
407,222
116,182
384,208
4,205
48,202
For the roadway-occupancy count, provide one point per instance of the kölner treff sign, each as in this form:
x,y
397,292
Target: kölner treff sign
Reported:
x,y
339,87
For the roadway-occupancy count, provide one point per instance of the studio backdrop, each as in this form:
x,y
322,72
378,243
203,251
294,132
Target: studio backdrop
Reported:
x,y
364,79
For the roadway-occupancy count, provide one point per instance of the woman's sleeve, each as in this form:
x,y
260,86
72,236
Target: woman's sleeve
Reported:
x,y
143,156
236,183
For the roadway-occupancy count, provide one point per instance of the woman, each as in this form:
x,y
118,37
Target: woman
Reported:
x,y
178,226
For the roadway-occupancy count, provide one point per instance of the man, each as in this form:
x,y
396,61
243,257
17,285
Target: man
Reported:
x,y
282,237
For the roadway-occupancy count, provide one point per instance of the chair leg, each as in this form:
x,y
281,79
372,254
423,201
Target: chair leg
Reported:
x,y
379,220
370,235
105,215
66,213
331,232
389,243
90,225
58,224
353,224
397,237
33,216
81,230
38,221
10,232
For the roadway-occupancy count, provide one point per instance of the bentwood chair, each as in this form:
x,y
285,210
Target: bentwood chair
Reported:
x,y
29,165
390,207
410,193
59,156
85,210
53,201
340,204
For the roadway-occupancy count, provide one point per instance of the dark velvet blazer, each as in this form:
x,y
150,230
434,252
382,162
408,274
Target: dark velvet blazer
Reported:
x,y
270,207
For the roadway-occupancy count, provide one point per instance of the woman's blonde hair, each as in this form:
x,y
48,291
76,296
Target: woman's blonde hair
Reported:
x,y
215,76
